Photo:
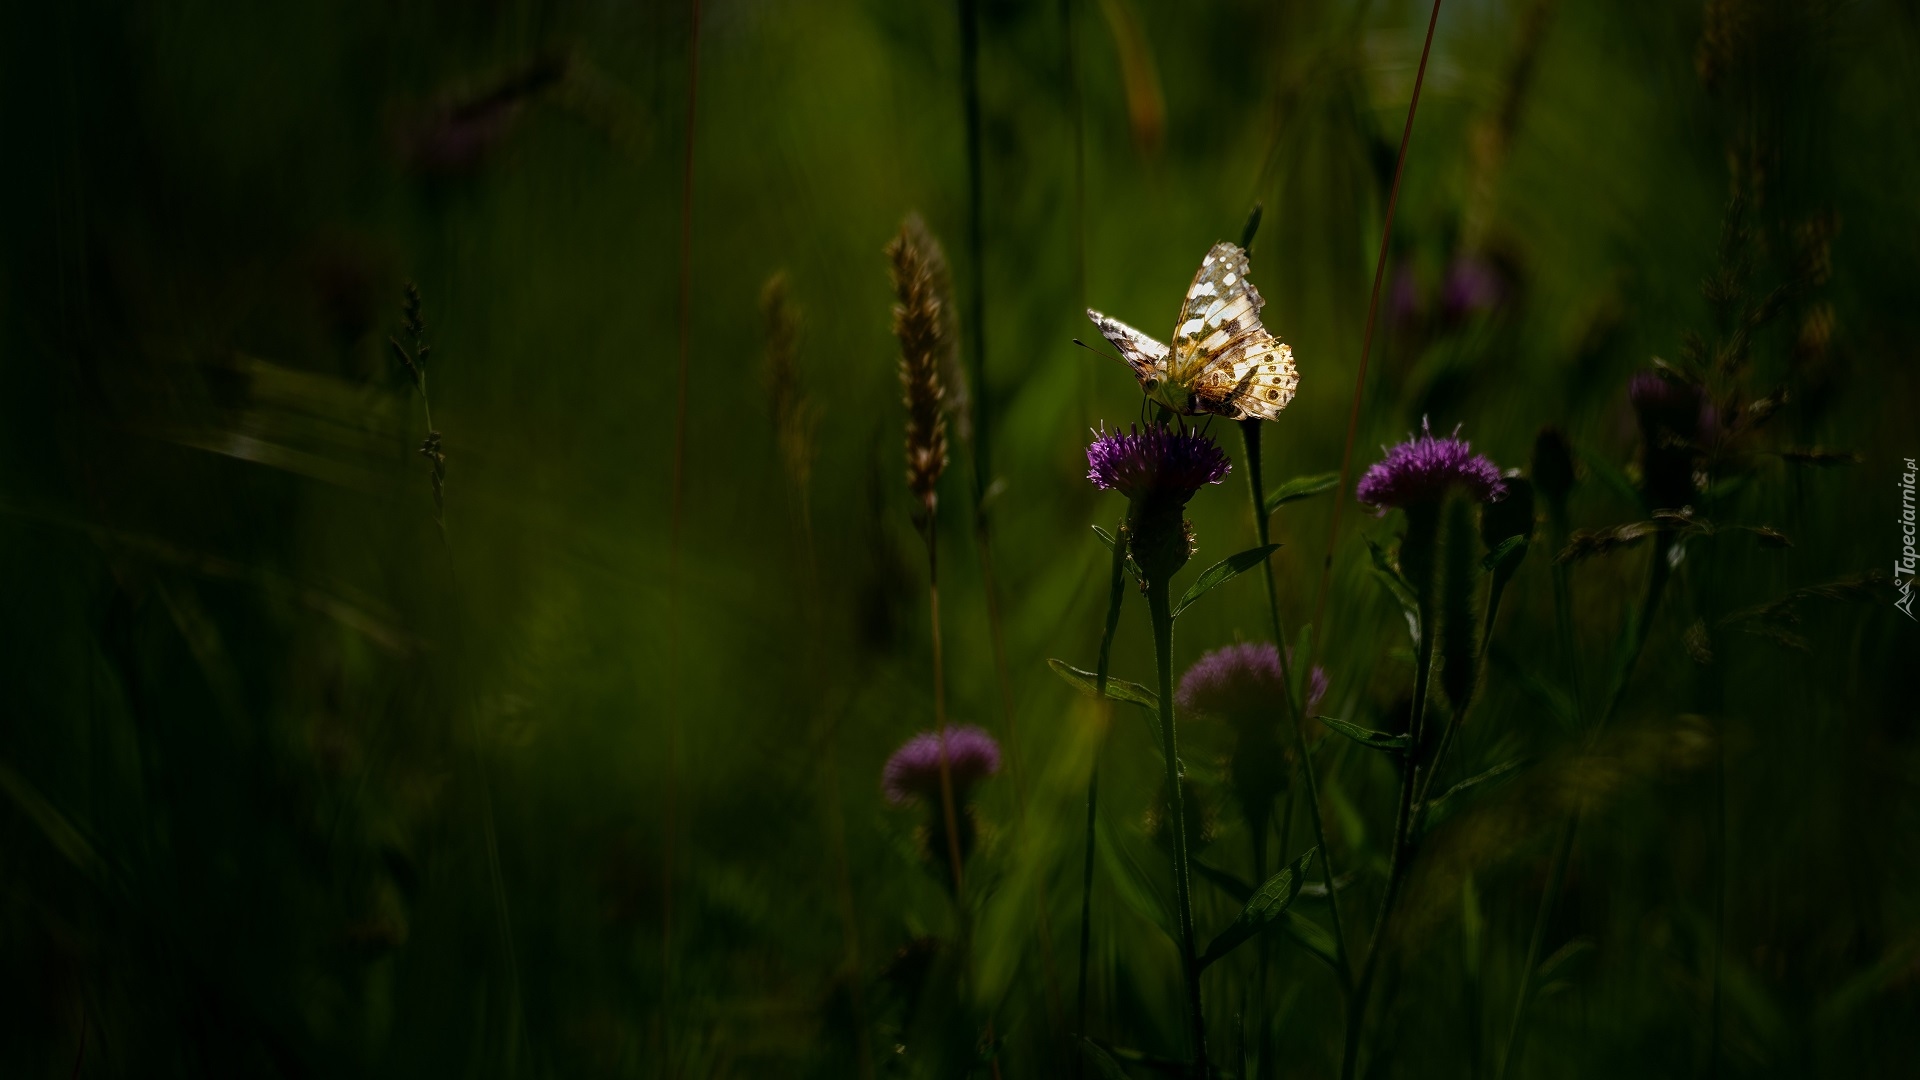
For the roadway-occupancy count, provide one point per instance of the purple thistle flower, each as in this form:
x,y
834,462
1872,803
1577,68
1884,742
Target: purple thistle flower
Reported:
x,y
1668,407
1242,680
913,772
1423,469
1160,461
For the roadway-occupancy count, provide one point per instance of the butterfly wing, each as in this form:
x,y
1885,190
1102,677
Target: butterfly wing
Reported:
x,y
1147,357
1220,349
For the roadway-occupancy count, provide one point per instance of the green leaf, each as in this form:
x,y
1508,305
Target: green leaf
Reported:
x,y
1103,1062
1225,570
1140,1057
54,826
1118,689
1137,890
1105,536
1252,227
1266,906
1367,737
1312,937
1572,949
1397,585
1088,683
1511,550
1300,487
1609,474
1226,882
1442,806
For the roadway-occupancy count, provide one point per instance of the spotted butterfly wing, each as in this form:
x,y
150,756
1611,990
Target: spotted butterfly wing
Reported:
x,y
1234,367
1147,357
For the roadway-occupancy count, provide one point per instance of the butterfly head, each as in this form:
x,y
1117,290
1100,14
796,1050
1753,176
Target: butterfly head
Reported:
x,y
1174,395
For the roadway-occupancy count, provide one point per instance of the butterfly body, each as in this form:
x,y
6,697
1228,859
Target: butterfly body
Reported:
x,y
1222,361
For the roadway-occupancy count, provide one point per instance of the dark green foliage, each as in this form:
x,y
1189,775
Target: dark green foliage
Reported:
x,y
1265,906
1221,572
295,784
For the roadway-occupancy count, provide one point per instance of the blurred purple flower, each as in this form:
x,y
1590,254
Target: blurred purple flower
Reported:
x,y
1474,285
1423,469
1404,302
913,772
1668,407
1242,680
1160,461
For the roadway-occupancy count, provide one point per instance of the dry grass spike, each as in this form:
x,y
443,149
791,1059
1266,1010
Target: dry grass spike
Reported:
x,y
923,323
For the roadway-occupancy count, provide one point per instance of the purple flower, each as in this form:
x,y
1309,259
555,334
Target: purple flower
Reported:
x,y
1669,408
1160,461
1403,297
1423,469
913,772
1242,680
1473,285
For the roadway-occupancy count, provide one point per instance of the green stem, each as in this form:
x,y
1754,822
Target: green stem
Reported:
x,y
1556,874
1161,609
1495,590
1402,844
1657,573
1250,433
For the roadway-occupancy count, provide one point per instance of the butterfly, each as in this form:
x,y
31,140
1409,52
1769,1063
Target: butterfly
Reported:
x,y
1222,362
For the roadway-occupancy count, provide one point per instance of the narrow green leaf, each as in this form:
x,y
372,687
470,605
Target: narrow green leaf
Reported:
x,y
1088,683
1443,806
1251,228
1118,689
1226,882
1136,889
1397,585
1609,474
1572,949
1225,570
1300,487
1312,937
1141,1057
1367,737
1512,549
1266,906
1105,536
68,840
1103,1062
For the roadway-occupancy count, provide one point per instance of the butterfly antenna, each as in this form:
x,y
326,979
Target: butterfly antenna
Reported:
x,y
1097,352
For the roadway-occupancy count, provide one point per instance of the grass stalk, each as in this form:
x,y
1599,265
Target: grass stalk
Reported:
x,y
676,533
1657,574
1366,341
1250,432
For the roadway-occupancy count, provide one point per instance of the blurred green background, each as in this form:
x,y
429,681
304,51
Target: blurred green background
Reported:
x,y
294,784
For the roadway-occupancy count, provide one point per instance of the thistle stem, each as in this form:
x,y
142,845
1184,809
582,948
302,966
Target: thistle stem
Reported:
x,y
1417,559
1160,607
947,808
1402,850
1250,434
